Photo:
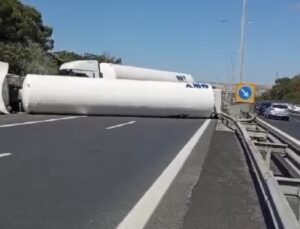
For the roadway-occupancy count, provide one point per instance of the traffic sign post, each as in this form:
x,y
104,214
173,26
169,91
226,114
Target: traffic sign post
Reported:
x,y
245,92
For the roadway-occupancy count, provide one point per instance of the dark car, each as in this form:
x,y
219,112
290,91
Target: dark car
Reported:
x,y
257,106
263,106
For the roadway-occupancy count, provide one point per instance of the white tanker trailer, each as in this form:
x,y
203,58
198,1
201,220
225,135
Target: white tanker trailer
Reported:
x,y
74,95
3,88
118,90
92,69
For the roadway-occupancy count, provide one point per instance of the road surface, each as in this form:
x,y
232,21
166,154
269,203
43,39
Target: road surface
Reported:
x,y
291,127
77,172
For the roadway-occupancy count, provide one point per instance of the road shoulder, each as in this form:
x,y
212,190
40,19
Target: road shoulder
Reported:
x,y
172,208
225,196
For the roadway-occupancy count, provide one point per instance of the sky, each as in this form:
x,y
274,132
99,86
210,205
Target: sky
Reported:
x,y
201,37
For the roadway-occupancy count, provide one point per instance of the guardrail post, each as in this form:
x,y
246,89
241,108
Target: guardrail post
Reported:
x,y
268,157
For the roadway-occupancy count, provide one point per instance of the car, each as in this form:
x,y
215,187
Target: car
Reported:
x,y
290,106
262,107
296,109
277,110
256,106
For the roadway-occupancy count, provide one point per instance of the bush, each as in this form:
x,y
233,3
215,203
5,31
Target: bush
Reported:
x,y
31,58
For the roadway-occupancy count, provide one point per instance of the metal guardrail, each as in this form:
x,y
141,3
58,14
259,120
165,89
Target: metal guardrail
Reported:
x,y
278,133
278,207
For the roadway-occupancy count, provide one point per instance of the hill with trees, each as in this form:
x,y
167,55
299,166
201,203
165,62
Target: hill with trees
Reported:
x,y
27,44
285,90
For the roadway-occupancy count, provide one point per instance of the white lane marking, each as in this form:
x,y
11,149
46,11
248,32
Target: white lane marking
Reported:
x,y
119,125
5,154
40,121
144,208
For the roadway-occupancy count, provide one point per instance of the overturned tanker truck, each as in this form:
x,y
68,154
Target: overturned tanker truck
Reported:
x,y
90,88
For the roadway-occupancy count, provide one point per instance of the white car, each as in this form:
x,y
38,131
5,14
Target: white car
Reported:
x,y
296,108
290,106
277,110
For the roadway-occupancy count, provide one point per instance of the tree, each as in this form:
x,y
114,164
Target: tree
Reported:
x,y
285,89
105,57
25,42
28,59
67,56
23,24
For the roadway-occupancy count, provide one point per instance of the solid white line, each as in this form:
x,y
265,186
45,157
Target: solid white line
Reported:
x,y
142,211
5,154
119,125
40,121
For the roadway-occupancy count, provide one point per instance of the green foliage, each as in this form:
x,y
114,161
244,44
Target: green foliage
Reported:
x,y
23,24
285,89
67,56
25,42
105,57
28,59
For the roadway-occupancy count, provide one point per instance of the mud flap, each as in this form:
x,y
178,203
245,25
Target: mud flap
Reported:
x,y
3,73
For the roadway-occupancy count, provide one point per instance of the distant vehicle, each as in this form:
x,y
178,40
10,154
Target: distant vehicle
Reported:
x,y
296,109
277,110
257,106
289,106
262,107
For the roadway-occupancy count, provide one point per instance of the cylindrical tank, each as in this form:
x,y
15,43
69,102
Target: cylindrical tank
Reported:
x,y
72,95
116,71
3,88
92,69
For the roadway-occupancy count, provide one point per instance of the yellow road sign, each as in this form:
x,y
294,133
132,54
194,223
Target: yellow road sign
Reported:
x,y
245,92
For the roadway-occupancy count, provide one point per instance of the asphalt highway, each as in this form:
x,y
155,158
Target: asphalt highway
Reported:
x,y
78,172
291,127
82,172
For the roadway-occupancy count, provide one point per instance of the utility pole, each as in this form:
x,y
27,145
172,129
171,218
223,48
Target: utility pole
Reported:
x,y
242,45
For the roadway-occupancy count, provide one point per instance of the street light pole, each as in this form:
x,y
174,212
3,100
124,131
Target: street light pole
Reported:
x,y
231,79
242,45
